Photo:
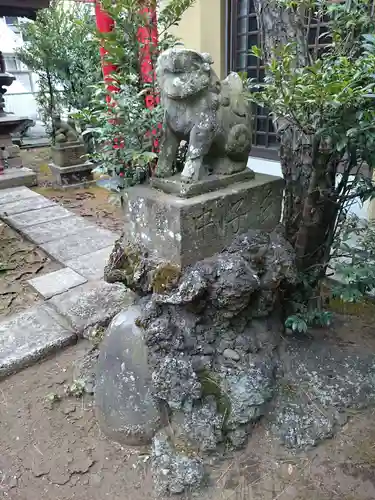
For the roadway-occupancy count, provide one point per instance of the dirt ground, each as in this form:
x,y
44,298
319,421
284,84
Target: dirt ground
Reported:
x,y
91,203
56,451
20,261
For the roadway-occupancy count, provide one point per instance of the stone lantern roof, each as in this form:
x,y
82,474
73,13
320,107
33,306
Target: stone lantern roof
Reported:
x,y
22,8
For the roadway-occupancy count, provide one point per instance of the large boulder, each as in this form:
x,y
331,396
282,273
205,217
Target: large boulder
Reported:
x,y
125,408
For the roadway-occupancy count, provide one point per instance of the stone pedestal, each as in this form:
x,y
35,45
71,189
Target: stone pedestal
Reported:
x,y
68,154
74,175
186,230
9,153
69,167
11,156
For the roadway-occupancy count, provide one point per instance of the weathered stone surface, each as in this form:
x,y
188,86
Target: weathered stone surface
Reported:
x,y
16,194
247,393
13,177
176,382
72,175
212,116
68,155
174,472
31,335
38,217
26,205
184,231
231,354
205,338
78,244
218,360
321,381
200,425
130,264
94,302
91,266
175,185
57,282
56,229
125,408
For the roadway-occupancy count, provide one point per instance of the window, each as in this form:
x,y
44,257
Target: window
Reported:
x,y
244,34
12,64
25,80
12,23
10,20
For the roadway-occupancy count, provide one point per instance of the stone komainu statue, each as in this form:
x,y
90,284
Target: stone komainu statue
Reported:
x,y
210,114
65,132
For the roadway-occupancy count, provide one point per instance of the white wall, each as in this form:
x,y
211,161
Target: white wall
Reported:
x,y
19,98
274,168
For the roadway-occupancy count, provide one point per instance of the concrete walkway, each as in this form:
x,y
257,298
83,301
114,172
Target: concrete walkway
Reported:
x,y
73,298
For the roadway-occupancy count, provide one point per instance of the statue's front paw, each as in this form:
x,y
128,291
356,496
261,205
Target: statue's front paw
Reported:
x,y
193,170
188,172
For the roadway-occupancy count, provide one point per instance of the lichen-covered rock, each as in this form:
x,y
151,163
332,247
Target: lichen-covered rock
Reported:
x,y
204,335
131,265
175,382
247,393
174,472
302,425
321,381
211,333
200,424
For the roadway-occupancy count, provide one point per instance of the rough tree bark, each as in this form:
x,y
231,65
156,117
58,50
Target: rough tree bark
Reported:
x,y
309,171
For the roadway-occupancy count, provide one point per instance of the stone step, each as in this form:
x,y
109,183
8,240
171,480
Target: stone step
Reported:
x,y
92,303
25,205
56,229
57,282
27,219
30,336
75,245
91,266
15,194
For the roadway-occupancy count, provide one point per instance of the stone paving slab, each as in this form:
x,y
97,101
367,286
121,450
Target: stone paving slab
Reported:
x,y
57,282
94,302
82,243
91,266
14,177
26,205
37,217
15,194
56,229
29,336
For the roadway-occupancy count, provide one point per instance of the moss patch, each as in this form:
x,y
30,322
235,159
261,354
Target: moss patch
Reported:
x,y
123,264
165,277
211,387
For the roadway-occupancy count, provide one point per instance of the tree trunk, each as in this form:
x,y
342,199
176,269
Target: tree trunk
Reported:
x,y
309,212
51,102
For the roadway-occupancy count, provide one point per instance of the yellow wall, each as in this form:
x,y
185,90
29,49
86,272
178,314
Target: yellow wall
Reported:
x,y
203,28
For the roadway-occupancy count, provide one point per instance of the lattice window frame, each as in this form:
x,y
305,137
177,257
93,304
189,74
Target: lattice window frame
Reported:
x,y
243,35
